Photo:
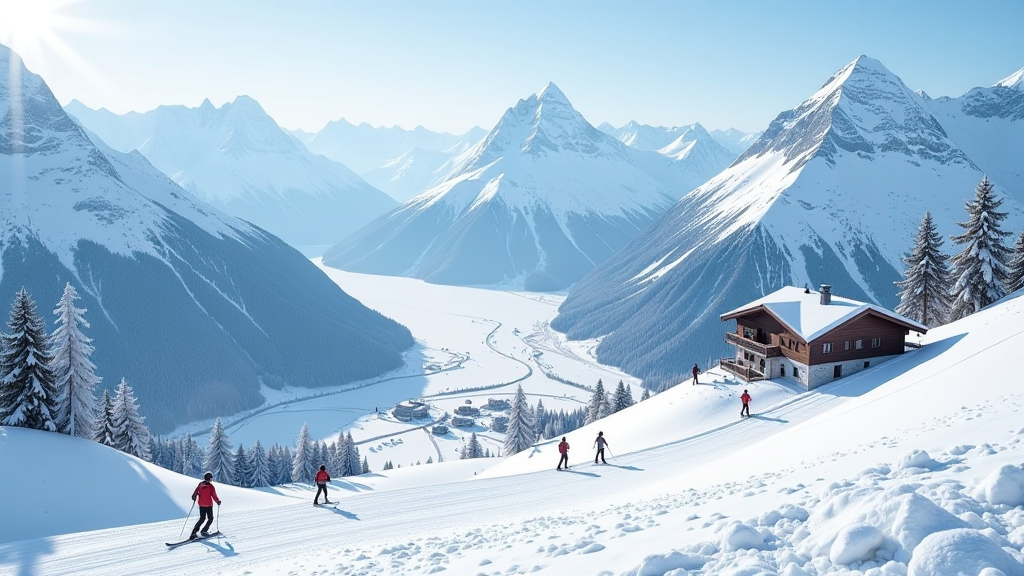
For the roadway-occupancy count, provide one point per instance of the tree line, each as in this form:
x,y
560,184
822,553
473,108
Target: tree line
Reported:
x,y
937,288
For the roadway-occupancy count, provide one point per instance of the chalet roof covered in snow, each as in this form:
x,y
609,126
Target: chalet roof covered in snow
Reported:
x,y
803,312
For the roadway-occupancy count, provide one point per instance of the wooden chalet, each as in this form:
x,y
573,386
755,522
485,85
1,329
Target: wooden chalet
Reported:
x,y
812,337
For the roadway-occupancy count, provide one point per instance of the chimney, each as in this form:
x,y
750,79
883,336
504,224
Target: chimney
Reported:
x,y
826,294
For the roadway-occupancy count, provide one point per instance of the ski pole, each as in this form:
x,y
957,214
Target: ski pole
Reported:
x,y
612,455
182,533
218,516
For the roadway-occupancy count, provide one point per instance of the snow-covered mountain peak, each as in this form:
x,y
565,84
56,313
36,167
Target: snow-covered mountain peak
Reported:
x,y
1015,81
862,109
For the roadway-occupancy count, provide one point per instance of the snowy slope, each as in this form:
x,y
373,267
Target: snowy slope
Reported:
x,y
536,204
735,141
193,307
238,159
411,173
830,194
841,480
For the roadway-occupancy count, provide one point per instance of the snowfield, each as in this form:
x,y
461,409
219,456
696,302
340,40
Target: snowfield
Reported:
x,y
910,468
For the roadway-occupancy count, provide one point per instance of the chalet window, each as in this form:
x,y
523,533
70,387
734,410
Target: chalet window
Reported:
x,y
867,364
876,342
826,347
846,345
859,344
749,333
837,371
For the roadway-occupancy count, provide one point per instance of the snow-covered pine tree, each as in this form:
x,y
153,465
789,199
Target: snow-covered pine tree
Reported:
x,y
131,435
464,452
343,457
259,466
286,465
193,463
220,460
316,455
178,463
520,434
275,464
105,425
302,457
74,373
354,461
596,400
924,290
430,460
645,395
980,269
243,468
1015,269
388,465
28,396
474,449
623,397
365,468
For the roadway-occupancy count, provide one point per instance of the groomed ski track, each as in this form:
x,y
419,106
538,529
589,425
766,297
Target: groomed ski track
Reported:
x,y
367,522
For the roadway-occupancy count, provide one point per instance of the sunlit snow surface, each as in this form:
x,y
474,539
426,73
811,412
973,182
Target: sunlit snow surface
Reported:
x,y
909,468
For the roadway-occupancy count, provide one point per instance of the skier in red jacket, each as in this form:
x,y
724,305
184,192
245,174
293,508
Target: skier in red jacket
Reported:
x,y
322,478
746,404
563,449
206,495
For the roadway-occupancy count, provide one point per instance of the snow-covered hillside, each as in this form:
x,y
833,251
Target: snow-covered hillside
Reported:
x,y
195,308
401,162
536,204
909,468
238,159
831,193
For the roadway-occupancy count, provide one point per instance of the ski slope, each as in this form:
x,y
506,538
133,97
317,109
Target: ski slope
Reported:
x,y
908,468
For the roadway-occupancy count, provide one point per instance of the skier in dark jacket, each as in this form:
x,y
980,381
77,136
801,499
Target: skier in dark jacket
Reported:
x,y
695,372
563,449
746,404
600,442
204,495
322,478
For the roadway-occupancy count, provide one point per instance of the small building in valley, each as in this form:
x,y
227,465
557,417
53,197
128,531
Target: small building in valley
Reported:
x,y
812,337
462,422
465,410
410,410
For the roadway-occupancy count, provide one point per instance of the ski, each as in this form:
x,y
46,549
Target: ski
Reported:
x,y
196,539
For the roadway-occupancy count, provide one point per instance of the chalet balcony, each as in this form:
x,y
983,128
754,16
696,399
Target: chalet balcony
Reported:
x,y
746,373
764,350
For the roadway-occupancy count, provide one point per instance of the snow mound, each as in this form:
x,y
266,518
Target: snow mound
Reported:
x,y
962,552
1003,486
741,537
855,544
917,461
661,564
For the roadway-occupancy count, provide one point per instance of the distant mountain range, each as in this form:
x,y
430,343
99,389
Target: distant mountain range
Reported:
x,y
401,162
831,193
536,204
198,310
735,141
238,159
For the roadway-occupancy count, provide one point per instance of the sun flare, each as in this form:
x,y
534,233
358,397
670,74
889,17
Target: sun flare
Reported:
x,y
34,27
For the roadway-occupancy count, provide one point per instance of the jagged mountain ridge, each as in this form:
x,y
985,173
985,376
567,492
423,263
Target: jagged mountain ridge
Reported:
x,y
195,308
535,204
238,159
830,193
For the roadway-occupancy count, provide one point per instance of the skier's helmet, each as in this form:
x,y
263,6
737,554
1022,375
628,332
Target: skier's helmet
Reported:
x,y
208,476
323,467
600,433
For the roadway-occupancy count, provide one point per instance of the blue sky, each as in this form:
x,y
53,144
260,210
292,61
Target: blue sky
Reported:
x,y
449,65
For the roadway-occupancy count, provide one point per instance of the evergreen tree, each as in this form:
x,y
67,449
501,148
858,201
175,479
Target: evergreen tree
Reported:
x,y
1015,270
430,460
520,434
74,373
302,459
259,463
286,465
598,406
474,449
193,458
924,290
105,429
131,435
243,468
275,461
219,459
344,457
646,394
365,469
28,395
623,397
354,461
980,269
316,455
388,465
